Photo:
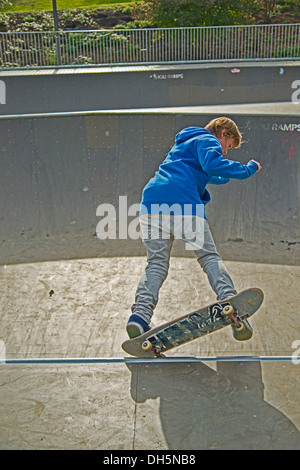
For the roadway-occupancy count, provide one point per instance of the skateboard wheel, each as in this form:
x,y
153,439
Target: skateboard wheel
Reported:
x,y
146,346
243,333
228,310
240,329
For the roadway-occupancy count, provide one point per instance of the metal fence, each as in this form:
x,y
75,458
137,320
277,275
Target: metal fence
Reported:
x,y
151,46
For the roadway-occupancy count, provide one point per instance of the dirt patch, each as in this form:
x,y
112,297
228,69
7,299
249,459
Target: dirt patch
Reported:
x,y
111,18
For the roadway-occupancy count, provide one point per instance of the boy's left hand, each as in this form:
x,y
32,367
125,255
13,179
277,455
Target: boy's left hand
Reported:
x,y
259,165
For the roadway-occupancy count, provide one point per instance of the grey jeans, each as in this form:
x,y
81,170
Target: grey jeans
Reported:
x,y
158,233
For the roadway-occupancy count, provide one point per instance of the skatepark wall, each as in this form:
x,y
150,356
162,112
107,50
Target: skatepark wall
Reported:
x,y
64,175
67,90
57,171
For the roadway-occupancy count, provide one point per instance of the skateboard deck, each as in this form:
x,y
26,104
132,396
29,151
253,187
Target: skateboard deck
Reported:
x,y
233,311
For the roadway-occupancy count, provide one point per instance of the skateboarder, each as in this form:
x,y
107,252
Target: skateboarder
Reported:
x,y
173,206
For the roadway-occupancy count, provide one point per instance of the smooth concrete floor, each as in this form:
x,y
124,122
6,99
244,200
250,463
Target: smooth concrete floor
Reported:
x,y
158,406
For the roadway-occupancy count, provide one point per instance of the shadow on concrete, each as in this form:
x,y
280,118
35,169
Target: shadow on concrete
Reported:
x,y
201,408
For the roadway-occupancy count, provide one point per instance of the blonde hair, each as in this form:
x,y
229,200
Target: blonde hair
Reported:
x,y
217,125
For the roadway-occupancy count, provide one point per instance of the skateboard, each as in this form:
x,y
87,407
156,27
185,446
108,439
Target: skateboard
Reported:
x,y
233,311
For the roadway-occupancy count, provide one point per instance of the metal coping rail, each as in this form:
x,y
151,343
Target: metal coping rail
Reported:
x,y
145,360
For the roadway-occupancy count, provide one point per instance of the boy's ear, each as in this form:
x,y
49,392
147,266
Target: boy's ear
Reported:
x,y
224,133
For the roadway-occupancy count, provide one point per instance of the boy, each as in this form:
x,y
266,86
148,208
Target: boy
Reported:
x,y
173,204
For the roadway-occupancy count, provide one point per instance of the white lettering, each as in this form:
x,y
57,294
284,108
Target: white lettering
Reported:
x,y
296,94
106,228
2,351
292,127
184,225
2,92
296,354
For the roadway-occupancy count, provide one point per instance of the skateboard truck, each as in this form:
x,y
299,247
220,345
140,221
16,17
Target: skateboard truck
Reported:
x,y
241,329
148,346
231,317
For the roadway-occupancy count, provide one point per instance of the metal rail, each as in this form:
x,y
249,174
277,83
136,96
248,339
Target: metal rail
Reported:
x,y
36,49
142,360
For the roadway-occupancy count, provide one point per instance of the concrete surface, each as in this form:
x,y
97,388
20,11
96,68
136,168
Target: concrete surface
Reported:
x,y
143,406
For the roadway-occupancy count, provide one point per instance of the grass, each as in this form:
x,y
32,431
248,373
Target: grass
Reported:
x,y
46,5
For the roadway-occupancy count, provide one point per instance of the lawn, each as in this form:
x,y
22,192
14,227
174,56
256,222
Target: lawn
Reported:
x,y
37,5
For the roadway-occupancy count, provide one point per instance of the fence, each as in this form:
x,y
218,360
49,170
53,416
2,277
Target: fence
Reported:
x,y
151,46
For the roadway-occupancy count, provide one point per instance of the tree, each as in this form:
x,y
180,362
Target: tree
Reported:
x,y
268,8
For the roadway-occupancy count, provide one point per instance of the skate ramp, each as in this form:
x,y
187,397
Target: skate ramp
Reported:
x,y
66,294
63,174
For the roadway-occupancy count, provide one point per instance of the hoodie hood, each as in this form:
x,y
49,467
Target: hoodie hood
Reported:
x,y
191,133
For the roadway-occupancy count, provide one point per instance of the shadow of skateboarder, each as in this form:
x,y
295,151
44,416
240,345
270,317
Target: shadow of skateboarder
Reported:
x,y
201,408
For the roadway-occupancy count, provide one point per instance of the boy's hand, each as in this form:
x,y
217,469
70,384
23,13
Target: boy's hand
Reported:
x,y
259,165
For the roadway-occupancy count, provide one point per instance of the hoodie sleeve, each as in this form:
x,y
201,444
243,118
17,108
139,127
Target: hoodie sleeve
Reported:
x,y
213,163
218,180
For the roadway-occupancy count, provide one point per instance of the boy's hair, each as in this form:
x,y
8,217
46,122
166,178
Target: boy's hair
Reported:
x,y
217,125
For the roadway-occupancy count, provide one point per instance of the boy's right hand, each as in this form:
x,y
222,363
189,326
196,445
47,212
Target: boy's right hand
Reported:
x,y
259,165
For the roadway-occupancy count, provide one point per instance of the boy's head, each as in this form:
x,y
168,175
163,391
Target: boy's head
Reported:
x,y
225,130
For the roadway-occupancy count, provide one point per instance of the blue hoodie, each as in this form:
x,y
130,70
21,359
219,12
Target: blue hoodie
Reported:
x,y
194,161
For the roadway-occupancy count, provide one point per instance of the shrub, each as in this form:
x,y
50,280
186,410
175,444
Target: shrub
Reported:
x,y
180,13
